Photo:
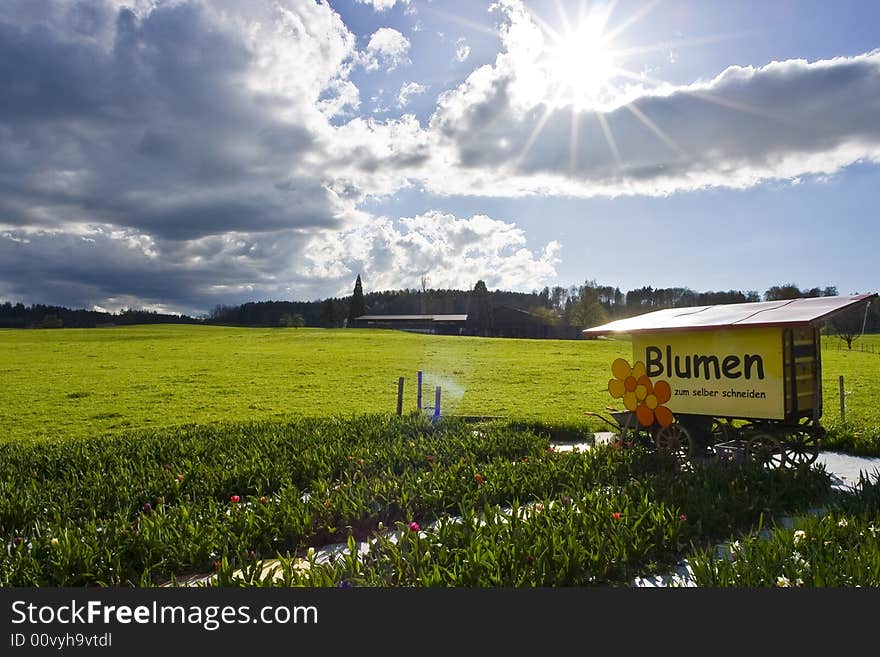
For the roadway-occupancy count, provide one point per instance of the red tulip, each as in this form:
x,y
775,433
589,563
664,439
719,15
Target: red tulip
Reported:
x,y
616,515
235,499
263,499
682,517
414,526
480,479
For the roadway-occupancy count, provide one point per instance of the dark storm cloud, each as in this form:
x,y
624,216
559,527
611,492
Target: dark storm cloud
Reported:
x,y
155,133
124,269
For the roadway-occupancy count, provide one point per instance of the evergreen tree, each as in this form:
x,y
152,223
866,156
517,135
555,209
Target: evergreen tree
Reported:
x,y
479,321
357,306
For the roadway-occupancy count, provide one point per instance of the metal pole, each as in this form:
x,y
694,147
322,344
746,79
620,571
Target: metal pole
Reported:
x,y
437,403
400,396
842,402
419,391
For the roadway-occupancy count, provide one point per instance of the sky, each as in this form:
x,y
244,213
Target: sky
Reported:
x,y
179,154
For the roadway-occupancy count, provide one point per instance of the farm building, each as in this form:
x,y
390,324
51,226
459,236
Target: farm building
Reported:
x,y
512,322
437,324
507,322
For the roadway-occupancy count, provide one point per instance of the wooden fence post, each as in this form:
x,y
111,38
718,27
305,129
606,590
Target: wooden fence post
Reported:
x,y
842,401
419,390
400,396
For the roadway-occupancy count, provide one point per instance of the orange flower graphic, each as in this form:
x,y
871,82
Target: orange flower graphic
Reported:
x,y
639,394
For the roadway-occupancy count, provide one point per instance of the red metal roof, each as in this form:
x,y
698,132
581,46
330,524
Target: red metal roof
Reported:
x,y
790,312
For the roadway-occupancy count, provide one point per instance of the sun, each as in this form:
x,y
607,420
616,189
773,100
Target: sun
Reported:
x,y
581,64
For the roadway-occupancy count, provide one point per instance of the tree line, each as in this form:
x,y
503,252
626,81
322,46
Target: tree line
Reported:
x,y
589,304
18,315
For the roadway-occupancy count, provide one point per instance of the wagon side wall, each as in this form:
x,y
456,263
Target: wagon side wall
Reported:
x,y
745,373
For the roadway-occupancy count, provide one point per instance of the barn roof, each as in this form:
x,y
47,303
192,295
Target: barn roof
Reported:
x,y
789,312
412,318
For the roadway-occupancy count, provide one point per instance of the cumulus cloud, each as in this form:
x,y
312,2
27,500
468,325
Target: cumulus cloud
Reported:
x,y
455,252
387,48
408,89
382,5
462,50
500,133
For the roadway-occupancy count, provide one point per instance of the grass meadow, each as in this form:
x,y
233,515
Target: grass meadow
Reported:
x,y
89,382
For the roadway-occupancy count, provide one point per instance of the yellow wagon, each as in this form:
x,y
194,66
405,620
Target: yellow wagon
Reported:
x,y
734,381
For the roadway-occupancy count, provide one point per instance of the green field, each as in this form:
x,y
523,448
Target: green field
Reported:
x,y
63,383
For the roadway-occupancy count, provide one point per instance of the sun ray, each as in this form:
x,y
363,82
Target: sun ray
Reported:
x,y
548,29
632,18
461,21
653,127
605,15
681,43
732,104
609,137
536,131
572,147
563,17
705,95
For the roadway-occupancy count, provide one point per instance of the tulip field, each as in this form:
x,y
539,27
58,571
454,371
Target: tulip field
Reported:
x,y
487,506
144,455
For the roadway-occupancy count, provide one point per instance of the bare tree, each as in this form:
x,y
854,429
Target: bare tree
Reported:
x,y
850,325
423,297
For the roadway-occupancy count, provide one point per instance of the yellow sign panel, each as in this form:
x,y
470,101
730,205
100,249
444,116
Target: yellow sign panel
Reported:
x,y
730,373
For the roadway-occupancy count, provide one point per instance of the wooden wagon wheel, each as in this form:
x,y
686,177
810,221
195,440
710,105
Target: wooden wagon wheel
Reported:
x,y
801,448
676,441
765,450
